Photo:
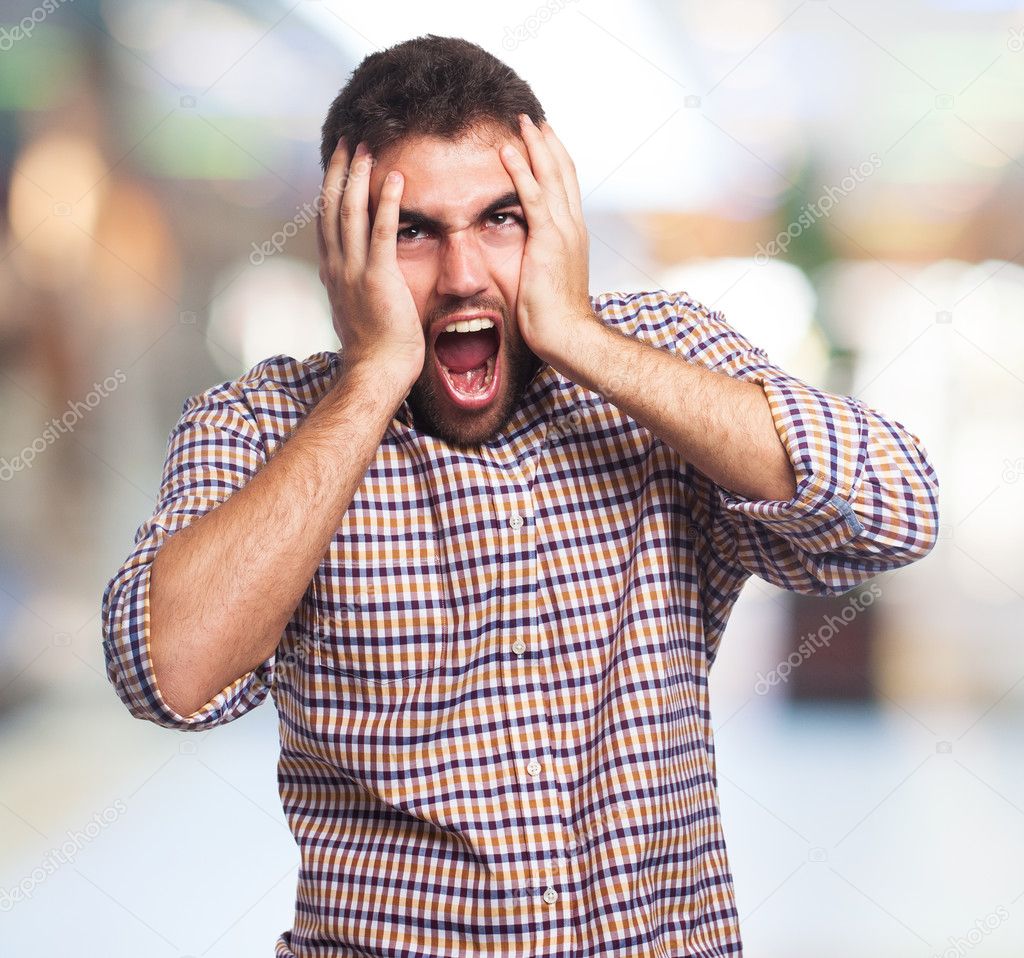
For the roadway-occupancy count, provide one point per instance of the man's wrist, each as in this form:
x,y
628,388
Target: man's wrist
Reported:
x,y
394,376
583,351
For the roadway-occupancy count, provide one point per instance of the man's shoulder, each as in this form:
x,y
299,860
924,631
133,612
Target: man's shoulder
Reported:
x,y
304,379
279,387
651,315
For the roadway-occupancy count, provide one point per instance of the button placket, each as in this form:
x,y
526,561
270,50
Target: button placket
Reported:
x,y
516,522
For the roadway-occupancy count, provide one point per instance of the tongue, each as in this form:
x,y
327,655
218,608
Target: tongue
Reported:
x,y
461,352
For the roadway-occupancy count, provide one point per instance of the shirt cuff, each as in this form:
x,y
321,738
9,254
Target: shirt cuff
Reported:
x,y
825,437
138,686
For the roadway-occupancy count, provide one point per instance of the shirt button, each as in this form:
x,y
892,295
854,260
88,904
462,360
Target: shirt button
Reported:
x,y
534,767
550,895
519,646
515,521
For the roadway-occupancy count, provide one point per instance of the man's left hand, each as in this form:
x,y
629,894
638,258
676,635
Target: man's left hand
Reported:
x,y
553,297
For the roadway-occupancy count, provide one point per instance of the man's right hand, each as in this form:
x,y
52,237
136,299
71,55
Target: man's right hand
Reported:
x,y
372,309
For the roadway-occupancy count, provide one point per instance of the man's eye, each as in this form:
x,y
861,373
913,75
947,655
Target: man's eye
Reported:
x,y
515,220
404,233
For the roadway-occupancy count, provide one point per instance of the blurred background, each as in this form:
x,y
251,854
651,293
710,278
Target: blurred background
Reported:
x,y
844,180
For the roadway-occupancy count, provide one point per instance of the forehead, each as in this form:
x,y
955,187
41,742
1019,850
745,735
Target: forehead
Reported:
x,y
447,179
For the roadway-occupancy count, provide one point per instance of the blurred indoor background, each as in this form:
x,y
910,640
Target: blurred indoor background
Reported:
x,y
844,180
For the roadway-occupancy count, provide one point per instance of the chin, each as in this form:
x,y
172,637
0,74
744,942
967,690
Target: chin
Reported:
x,y
456,426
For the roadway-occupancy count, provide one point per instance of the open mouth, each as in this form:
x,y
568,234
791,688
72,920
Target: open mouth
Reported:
x,y
466,353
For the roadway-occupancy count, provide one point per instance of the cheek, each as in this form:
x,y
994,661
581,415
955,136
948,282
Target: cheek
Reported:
x,y
420,274
504,265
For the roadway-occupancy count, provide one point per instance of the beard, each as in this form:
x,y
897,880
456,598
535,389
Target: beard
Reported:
x,y
433,412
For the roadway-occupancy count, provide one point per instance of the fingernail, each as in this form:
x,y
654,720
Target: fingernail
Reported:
x,y
526,117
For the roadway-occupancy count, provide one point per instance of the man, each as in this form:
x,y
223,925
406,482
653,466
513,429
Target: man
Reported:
x,y
483,556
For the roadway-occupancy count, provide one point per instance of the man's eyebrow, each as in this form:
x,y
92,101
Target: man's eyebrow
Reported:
x,y
415,217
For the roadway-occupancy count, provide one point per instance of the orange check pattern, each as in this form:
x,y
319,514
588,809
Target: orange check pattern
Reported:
x,y
493,698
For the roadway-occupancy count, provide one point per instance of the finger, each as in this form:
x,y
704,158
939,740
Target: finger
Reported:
x,y
538,216
330,199
321,246
384,235
545,168
568,170
355,220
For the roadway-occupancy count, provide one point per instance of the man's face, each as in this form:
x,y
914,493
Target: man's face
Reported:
x,y
460,243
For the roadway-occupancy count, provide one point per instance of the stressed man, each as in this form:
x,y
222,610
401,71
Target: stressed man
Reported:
x,y
482,556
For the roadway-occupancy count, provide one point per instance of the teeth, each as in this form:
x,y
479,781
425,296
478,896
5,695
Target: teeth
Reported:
x,y
468,325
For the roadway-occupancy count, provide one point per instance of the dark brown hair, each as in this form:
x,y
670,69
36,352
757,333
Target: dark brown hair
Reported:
x,y
430,85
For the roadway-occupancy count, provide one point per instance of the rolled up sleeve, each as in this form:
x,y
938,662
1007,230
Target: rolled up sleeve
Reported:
x,y
214,449
866,498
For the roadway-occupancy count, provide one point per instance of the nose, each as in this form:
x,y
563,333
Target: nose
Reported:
x,y
463,271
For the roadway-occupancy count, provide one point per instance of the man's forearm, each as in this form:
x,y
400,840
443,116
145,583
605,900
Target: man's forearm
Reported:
x,y
722,425
223,588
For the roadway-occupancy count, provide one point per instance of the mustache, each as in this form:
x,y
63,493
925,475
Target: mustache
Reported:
x,y
467,306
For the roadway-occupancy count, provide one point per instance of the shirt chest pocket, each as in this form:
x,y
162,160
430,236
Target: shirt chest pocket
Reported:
x,y
383,610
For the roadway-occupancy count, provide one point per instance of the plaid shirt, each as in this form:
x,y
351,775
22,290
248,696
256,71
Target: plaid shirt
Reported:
x,y
493,697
